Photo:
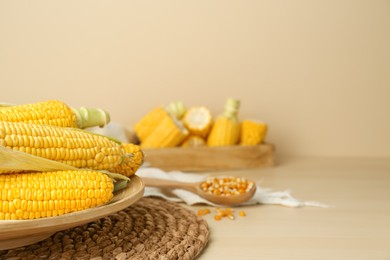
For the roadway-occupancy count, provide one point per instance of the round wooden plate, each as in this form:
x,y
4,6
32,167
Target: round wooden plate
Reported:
x,y
16,233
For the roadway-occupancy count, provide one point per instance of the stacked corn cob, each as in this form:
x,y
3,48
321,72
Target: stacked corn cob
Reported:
x,y
196,126
86,165
162,127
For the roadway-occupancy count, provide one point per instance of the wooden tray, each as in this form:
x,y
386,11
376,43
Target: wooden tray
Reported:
x,y
16,233
201,159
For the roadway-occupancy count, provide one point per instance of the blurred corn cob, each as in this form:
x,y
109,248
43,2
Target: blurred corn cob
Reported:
x,y
72,146
54,112
149,122
170,132
146,125
198,121
226,128
49,194
252,132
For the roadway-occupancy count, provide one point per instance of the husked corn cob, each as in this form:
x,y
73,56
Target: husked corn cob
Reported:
x,y
252,132
169,133
50,194
132,161
149,122
193,141
198,121
54,112
226,128
144,127
224,132
72,146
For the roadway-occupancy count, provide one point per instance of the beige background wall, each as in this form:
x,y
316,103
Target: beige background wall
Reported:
x,y
317,71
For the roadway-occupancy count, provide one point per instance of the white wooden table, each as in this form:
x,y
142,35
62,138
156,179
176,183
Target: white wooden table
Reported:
x,y
355,226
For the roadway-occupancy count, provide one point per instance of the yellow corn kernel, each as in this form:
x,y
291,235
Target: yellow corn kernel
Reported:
x,y
169,133
252,132
226,128
25,206
198,121
71,146
202,212
242,213
217,217
231,216
55,112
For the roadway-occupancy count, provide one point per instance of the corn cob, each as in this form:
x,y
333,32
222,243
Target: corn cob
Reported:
x,y
252,132
50,194
198,121
133,160
193,141
72,146
144,127
54,112
149,122
169,133
226,128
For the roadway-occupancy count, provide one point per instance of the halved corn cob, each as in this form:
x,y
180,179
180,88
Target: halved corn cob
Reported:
x,y
252,132
169,133
54,112
50,194
72,146
144,127
193,141
226,128
198,121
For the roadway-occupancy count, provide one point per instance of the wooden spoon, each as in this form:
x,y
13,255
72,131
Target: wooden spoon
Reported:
x,y
195,187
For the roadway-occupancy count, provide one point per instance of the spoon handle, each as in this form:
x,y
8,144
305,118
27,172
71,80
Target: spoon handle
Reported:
x,y
169,184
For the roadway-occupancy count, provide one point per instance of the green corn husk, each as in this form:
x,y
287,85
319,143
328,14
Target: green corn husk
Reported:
x,y
13,161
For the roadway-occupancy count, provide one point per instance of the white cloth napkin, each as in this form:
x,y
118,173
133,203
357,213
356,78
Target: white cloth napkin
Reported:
x,y
262,195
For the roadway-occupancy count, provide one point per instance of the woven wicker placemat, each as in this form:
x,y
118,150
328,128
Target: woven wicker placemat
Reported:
x,y
151,228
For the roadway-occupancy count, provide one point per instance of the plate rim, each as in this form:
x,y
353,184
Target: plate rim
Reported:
x,y
12,229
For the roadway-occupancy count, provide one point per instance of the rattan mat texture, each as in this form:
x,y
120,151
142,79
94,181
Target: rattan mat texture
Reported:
x,y
151,228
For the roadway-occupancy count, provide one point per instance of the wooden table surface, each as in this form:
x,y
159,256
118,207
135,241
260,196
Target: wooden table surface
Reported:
x,y
355,226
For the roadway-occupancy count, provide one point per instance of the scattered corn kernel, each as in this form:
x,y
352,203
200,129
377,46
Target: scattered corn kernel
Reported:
x,y
221,213
230,216
242,213
224,212
202,212
217,217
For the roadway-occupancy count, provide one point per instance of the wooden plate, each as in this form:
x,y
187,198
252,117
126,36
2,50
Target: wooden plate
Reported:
x,y
16,233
